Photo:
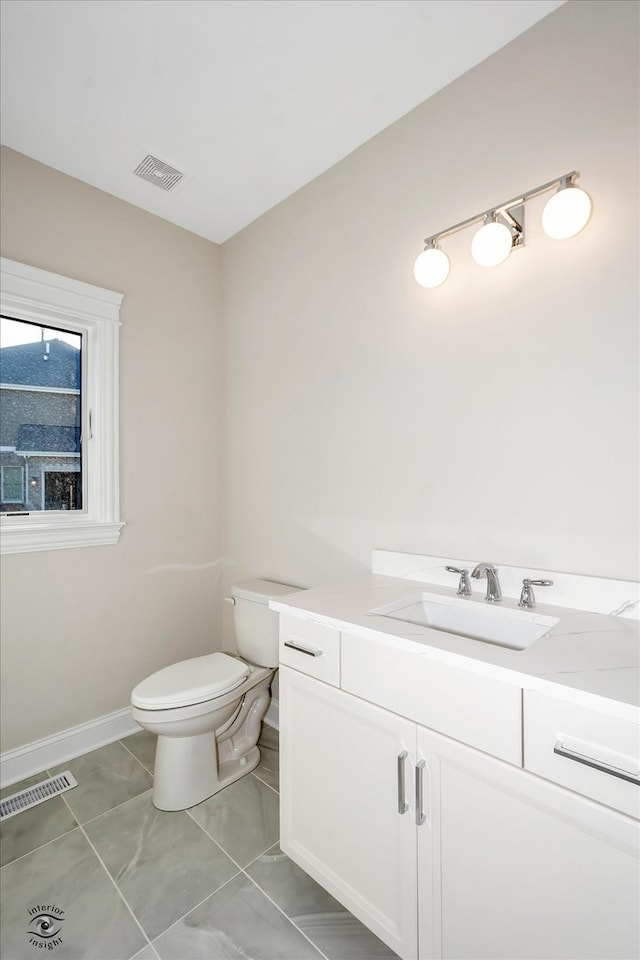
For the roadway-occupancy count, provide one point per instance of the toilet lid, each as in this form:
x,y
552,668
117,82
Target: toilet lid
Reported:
x,y
189,682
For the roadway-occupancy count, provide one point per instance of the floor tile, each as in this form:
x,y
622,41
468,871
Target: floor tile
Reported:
x,y
243,818
147,953
65,874
30,828
326,922
237,922
268,768
164,863
143,746
106,777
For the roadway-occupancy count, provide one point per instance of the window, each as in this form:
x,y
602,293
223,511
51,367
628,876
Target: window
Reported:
x,y
40,417
12,485
58,412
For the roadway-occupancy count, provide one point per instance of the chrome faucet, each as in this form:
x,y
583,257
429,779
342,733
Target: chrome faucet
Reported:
x,y
494,593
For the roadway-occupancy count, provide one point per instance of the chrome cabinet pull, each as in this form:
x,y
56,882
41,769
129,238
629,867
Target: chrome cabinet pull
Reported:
x,y
403,806
563,751
420,816
300,649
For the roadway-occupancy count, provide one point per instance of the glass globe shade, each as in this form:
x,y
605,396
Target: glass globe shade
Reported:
x,y
491,245
431,267
566,213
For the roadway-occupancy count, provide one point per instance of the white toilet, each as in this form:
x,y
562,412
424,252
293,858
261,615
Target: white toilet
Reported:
x,y
208,711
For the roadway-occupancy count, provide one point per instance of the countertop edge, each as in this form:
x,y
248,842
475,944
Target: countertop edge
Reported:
x,y
553,685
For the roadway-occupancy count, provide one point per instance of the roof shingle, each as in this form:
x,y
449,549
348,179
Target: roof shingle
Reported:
x,y
47,363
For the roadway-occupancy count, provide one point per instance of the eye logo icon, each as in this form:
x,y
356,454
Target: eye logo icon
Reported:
x,y
45,926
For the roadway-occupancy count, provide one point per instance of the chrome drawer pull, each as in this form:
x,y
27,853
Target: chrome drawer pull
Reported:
x,y
563,751
420,817
403,806
309,653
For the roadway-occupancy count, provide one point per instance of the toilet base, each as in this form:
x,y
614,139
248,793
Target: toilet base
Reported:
x,y
187,772
193,768
235,768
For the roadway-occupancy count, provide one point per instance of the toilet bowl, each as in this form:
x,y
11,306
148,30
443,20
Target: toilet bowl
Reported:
x,y
207,712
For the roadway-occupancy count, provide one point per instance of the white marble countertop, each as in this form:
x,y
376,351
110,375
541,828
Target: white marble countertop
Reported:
x,y
590,659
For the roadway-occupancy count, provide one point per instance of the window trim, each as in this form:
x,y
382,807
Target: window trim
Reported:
x,y
29,293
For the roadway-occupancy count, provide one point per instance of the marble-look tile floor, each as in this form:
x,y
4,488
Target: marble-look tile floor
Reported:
x,y
123,880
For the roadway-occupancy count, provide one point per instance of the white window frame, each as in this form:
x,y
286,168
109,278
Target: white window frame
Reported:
x,y
28,293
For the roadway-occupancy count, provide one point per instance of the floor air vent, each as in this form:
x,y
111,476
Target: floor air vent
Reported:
x,y
32,796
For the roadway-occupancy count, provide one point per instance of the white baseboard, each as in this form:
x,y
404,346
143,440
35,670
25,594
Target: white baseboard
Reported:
x,y
43,754
273,715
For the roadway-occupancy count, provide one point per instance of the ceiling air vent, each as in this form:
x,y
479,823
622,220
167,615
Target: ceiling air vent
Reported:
x,y
158,172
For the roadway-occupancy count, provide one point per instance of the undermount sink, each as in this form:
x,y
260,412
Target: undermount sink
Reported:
x,y
516,629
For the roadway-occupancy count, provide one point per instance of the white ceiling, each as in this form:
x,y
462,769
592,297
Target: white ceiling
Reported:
x,y
251,98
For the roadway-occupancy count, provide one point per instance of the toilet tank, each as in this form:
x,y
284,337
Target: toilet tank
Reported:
x,y
256,626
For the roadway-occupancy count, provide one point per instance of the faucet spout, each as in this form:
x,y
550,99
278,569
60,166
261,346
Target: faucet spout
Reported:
x,y
494,593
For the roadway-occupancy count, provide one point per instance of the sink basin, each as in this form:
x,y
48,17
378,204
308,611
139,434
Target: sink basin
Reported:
x,y
475,619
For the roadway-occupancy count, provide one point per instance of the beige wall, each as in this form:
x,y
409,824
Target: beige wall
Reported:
x,y
493,418
80,627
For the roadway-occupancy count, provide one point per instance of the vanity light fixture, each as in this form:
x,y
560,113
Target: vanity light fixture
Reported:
x,y
564,215
432,266
567,211
492,243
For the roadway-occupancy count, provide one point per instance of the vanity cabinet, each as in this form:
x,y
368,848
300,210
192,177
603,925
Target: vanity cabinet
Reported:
x,y
477,710
445,849
520,867
588,752
339,819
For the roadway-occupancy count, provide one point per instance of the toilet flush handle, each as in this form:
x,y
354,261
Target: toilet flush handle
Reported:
x,y
231,600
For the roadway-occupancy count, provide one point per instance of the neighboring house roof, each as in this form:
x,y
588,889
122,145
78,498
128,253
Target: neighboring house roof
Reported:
x,y
46,363
42,438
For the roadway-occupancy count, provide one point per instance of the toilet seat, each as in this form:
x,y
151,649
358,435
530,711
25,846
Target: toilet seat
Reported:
x,y
190,682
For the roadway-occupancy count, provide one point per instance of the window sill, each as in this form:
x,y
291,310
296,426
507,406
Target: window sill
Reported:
x,y
34,536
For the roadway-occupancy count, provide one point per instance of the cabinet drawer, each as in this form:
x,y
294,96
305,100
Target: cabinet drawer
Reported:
x,y
480,711
592,753
312,648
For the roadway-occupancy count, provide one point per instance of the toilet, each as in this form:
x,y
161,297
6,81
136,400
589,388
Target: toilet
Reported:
x,y
207,712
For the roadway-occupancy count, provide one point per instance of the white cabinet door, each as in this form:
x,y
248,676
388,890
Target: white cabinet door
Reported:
x,y
521,868
339,804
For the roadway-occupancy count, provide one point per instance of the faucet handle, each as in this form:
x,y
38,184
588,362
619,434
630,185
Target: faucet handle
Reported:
x,y
527,596
464,586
